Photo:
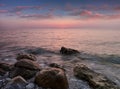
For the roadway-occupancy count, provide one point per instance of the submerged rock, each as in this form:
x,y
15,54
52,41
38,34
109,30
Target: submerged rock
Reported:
x,y
53,78
68,51
16,83
95,80
25,68
26,56
55,65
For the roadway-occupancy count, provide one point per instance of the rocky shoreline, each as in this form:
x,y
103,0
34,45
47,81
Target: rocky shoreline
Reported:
x,y
27,73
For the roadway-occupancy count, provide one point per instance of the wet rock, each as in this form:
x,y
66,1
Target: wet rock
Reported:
x,y
53,78
26,56
16,83
95,80
3,82
30,86
68,51
25,68
55,65
2,72
28,64
25,73
5,66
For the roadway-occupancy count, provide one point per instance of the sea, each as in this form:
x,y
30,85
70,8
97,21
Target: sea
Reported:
x,y
99,49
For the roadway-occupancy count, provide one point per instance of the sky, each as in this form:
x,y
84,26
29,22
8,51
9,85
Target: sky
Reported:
x,y
59,14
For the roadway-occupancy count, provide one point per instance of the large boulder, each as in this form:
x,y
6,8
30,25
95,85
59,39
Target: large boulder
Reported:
x,y
25,68
95,80
16,83
68,51
26,56
53,78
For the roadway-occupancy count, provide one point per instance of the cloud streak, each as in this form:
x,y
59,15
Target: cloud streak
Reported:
x,y
3,11
86,14
21,8
38,16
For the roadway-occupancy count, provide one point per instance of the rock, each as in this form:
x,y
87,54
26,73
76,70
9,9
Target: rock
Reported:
x,y
25,68
55,65
53,78
30,86
3,82
25,73
2,72
16,83
5,66
95,80
68,51
26,56
28,64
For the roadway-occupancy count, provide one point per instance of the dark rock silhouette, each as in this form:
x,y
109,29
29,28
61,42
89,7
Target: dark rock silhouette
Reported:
x,y
95,80
68,51
26,56
53,78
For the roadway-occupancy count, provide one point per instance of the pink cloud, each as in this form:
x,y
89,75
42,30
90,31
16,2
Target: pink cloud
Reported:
x,y
18,13
115,16
117,8
3,11
86,14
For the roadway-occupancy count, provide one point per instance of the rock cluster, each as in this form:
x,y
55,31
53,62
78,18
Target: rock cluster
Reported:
x,y
26,68
96,80
53,77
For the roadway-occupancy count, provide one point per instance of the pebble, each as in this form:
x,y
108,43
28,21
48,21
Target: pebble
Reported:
x,y
30,86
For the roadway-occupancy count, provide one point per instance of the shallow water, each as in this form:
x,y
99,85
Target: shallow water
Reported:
x,y
100,50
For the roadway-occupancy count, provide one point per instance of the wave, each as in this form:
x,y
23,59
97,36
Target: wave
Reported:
x,y
115,59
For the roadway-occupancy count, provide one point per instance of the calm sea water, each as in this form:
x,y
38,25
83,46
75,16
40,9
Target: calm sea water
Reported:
x,y
100,48
91,41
